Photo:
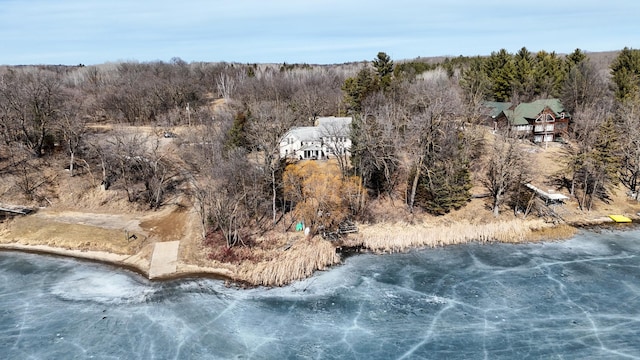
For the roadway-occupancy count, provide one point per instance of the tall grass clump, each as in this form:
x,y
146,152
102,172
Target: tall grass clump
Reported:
x,y
399,238
298,262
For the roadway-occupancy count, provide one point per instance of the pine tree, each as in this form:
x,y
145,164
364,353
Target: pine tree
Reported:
x,y
237,136
444,186
626,74
357,89
501,71
475,83
384,69
576,57
524,80
549,74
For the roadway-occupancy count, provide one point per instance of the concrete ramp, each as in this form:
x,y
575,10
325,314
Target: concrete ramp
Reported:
x,y
164,259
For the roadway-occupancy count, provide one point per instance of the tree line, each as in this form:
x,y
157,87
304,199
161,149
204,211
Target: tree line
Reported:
x,y
415,133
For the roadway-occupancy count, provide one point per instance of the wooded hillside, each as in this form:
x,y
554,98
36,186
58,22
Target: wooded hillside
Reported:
x,y
151,133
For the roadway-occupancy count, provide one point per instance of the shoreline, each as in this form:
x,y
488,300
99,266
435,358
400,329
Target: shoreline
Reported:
x,y
133,263
141,266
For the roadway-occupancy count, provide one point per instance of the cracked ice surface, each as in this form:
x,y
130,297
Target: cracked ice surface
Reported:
x,y
573,299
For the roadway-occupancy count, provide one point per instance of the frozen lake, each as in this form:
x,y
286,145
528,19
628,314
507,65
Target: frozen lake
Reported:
x,y
565,300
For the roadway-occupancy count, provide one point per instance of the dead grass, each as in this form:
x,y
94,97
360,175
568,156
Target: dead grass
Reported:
x,y
33,230
557,232
297,262
401,237
171,226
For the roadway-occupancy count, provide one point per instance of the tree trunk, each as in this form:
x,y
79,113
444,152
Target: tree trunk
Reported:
x,y
71,164
496,204
414,185
274,193
105,182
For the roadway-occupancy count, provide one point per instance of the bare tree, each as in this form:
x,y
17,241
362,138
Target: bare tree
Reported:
x,y
593,156
34,99
432,119
227,81
73,128
506,169
336,139
268,124
317,94
28,174
583,87
374,146
629,117
145,171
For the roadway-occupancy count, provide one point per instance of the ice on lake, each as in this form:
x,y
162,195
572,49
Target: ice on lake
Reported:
x,y
572,299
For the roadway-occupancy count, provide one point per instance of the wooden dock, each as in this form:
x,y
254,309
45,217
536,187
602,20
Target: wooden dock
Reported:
x,y
15,209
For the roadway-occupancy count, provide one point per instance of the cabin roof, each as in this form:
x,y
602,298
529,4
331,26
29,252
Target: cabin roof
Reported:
x,y
530,111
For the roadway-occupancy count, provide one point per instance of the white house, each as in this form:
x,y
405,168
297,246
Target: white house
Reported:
x,y
328,138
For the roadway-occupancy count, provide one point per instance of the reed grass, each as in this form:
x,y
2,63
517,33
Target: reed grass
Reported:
x,y
558,232
399,238
298,262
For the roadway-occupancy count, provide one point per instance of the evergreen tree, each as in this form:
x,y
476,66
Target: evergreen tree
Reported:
x,y
582,86
475,83
384,69
606,153
237,136
356,89
501,71
626,74
549,74
524,80
576,57
444,184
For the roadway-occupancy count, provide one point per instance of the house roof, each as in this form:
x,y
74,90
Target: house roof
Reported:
x,y
526,111
305,133
334,126
496,107
312,147
325,126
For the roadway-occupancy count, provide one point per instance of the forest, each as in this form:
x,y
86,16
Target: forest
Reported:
x,y
210,133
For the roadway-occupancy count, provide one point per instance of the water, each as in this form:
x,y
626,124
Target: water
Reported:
x,y
573,299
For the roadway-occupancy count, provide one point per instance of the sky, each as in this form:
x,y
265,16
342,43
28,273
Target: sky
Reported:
x,y
92,32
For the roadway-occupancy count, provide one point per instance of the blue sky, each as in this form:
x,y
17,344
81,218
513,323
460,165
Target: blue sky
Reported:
x,y
304,31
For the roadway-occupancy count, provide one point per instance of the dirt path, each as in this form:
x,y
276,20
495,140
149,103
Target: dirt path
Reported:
x,y
108,221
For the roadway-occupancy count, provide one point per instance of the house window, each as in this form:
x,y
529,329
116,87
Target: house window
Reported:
x,y
549,127
550,118
539,128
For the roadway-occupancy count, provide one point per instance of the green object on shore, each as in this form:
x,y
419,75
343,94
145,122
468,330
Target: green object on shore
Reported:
x,y
300,226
